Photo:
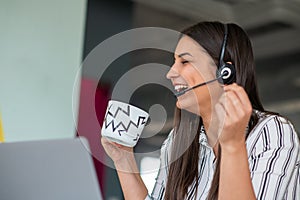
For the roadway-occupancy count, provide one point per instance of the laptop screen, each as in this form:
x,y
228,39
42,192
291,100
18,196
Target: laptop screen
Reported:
x,y
60,169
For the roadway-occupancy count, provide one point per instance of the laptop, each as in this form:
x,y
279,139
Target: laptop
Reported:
x,y
59,169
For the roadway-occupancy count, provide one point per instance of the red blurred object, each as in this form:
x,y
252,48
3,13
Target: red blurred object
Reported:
x,y
92,107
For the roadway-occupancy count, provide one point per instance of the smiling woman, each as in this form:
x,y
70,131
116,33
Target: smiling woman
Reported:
x,y
224,144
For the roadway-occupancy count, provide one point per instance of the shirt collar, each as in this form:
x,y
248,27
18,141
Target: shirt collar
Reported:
x,y
203,137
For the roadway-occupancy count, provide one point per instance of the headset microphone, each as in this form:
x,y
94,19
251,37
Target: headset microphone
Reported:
x,y
177,94
224,73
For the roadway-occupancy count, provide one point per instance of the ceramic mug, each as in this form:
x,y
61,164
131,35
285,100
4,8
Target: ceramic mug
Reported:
x,y
123,123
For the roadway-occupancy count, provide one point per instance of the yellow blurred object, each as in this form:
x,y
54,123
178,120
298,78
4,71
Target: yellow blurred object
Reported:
x,y
1,131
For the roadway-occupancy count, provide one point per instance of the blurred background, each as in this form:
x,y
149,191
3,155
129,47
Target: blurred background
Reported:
x,y
43,43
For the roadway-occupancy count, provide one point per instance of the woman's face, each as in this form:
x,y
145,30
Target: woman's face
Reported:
x,y
192,66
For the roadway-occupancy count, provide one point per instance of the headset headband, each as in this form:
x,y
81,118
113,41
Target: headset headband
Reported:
x,y
221,61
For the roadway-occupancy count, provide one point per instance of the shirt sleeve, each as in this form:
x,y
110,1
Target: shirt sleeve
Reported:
x,y
273,157
160,183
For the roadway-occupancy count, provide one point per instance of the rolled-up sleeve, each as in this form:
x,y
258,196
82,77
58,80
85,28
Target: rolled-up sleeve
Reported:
x,y
274,160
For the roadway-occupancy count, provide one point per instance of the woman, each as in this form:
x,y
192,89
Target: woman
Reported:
x,y
224,144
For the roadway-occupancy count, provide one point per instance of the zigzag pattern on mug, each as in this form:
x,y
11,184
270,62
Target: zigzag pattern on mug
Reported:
x,y
118,110
141,120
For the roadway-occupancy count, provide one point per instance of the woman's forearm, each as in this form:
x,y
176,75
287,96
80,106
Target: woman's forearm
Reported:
x,y
132,184
235,181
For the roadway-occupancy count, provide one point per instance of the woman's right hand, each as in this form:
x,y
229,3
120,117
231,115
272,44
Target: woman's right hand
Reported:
x,y
115,151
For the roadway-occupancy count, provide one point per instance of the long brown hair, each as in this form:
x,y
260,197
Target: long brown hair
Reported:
x,y
184,170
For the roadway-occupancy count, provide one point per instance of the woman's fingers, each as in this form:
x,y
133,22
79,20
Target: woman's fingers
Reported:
x,y
239,93
110,146
235,101
230,103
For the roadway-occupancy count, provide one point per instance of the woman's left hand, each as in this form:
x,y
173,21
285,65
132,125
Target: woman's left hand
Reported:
x,y
234,110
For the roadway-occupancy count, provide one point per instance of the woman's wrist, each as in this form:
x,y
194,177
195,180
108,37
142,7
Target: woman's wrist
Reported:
x,y
126,164
233,147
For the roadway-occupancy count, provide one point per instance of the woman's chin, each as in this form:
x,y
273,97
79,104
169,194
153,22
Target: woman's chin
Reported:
x,y
178,105
193,108
181,105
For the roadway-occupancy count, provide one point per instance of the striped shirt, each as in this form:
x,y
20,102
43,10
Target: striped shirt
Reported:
x,y
273,156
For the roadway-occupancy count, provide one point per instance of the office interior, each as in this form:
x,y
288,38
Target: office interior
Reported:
x,y
46,93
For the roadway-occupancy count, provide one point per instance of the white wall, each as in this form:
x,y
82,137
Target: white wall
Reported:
x,y
40,53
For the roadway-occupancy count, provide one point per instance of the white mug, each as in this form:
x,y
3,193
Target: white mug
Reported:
x,y
123,123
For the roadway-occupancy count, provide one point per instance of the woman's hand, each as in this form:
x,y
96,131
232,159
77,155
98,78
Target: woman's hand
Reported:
x,y
234,110
116,151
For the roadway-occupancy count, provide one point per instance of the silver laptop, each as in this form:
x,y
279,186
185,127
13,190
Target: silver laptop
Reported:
x,y
59,169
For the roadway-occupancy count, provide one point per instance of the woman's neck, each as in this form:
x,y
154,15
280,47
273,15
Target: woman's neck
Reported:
x,y
211,129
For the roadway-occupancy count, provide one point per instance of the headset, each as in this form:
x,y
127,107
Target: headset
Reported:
x,y
225,73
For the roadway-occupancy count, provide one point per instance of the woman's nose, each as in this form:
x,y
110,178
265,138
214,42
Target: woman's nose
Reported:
x,y
172,73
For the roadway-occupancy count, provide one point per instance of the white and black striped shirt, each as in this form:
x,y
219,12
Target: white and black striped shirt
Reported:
x,y
273,156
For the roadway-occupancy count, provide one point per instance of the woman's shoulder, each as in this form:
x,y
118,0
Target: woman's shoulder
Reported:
x,y
272,120
272,129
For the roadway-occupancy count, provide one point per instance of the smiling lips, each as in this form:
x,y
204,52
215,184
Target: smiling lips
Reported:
x,y
180,87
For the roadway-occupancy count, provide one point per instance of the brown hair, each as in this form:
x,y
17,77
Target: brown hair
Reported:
x,y
184,170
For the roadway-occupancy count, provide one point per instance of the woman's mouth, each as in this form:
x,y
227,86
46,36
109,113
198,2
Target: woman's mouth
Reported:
x,y
179,88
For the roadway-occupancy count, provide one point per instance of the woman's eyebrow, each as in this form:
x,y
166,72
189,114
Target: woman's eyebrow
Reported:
x,y
183,54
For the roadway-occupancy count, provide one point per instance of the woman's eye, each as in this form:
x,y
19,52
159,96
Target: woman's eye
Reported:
x,y
185,61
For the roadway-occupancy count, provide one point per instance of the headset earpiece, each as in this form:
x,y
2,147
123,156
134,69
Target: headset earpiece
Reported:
x,y
226,74
226,71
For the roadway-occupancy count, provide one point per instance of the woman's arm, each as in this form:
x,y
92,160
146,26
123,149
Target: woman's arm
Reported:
x,y
273,156
234,111
235,181
132,184
267,171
